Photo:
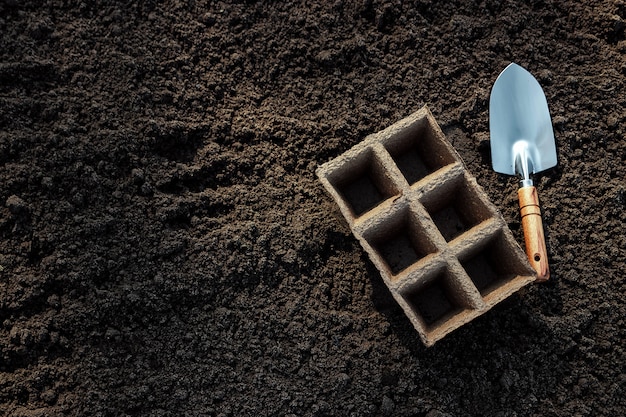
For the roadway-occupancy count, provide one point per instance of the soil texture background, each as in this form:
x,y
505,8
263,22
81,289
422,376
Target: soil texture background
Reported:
x,y
166,249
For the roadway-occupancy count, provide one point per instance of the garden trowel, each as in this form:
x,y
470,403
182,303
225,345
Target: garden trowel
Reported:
x,y
522,142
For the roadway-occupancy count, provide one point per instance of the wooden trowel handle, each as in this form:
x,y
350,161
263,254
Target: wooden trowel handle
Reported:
x,y
533,231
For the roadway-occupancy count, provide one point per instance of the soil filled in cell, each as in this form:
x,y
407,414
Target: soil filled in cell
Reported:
x,y
399,253
362,194
481,272
412,165
449,222
491,267
432,302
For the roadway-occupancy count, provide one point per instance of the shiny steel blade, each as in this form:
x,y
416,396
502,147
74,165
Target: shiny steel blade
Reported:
x,y
522,139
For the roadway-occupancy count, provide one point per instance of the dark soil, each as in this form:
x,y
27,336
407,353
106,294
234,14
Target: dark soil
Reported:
x,y
166,249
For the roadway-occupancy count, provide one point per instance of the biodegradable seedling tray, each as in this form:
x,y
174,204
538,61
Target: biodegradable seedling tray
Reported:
x,y
441,246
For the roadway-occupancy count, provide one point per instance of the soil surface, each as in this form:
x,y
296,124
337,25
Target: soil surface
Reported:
x,y
166,249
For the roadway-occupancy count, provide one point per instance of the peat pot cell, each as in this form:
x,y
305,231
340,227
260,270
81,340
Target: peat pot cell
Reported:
x,y
363,183
456,207
400,241
435,301
418,151
493,264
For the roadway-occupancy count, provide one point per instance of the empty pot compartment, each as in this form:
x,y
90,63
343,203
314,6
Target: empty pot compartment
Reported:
x,y
362,182
418,151
455,207
437,299
493,264
400,241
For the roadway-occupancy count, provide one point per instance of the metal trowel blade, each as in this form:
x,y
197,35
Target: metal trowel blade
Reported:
x,y
520,126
